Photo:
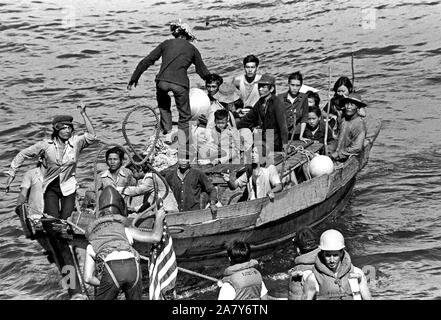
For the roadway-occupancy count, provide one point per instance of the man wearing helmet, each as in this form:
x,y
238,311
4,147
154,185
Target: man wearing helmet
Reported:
x,y
333,276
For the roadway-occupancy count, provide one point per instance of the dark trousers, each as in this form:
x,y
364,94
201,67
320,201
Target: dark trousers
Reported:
x,y
52,199
182,99
125,273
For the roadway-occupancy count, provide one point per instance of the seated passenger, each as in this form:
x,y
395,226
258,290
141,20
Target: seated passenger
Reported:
x,y
352,131
295,105
259,181
219,144
315,128
342,88
313,99
269,115
116,175
247,84
222,96
188,183
148,187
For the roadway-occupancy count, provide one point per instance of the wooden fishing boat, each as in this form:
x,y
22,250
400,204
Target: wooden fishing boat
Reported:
x,y
199,236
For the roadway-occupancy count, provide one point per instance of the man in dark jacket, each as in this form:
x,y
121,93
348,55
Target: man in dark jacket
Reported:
x,y
296,105
268,114
177,56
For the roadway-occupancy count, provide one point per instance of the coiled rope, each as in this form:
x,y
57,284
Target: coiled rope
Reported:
x,y
145,161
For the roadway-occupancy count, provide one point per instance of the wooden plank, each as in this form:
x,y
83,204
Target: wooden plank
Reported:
x,y
297,198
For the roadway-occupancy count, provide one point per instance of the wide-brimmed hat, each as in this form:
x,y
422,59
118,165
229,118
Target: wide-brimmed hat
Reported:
x,y
355,98
183,27
62,119
227,93
267,79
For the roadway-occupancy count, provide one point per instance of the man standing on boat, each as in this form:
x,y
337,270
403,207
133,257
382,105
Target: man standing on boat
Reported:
x,y
268,114
296,105
31,191
177,56
352,131
188,183
247,83
61,152
333,276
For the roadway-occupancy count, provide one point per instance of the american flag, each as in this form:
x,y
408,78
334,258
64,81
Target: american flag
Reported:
x,y
163,268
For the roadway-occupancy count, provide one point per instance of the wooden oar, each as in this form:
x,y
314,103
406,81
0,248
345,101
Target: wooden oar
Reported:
x,y
327,113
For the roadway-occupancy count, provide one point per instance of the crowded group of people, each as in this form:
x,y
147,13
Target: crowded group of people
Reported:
x,y
239,111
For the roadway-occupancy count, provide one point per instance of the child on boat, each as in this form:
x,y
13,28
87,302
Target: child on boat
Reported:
x,y
316,127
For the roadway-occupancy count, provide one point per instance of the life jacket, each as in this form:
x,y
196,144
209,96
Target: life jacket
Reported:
x,y
304,263
245,279
106,235
342,286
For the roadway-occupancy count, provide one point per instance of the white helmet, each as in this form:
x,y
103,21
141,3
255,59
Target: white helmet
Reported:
x,y
331,240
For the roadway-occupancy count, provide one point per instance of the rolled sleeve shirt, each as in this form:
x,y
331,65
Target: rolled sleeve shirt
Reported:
x,y
267,178
187,188
60,163
351,137
123,179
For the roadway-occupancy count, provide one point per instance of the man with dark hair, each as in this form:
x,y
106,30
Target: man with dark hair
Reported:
x,y
242,281
32,189
188,183
116,175
352,130
177,56
307,250
333,276
313,99
296,105
247,83
268,114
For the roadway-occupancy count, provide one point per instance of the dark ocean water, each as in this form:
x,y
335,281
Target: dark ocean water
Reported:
x,y
55,53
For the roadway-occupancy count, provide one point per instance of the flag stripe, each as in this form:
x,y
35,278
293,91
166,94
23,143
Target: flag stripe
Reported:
x,y
163,269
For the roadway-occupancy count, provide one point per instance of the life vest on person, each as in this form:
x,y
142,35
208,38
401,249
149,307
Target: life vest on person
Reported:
x,y
304,264
341,286
107,234
245,279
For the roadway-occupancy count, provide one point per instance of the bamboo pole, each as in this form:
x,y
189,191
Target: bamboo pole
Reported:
x,y
327,112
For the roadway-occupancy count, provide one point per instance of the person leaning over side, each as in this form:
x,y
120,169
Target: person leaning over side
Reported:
x,y
333,276
177,56
307,250
61,154
242,281
110,250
